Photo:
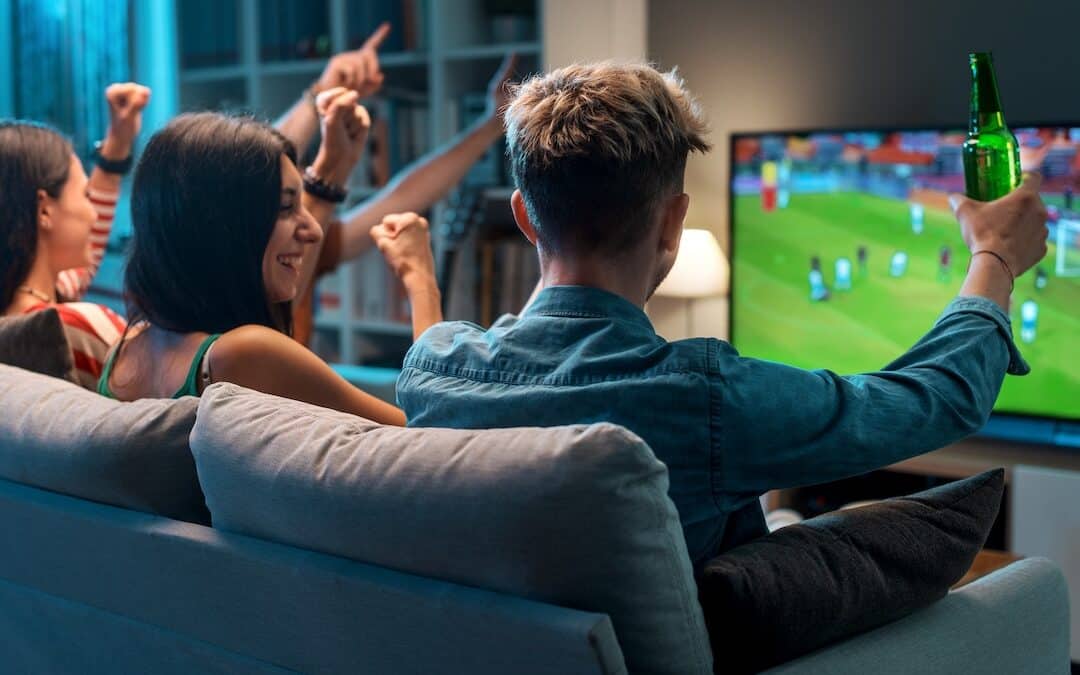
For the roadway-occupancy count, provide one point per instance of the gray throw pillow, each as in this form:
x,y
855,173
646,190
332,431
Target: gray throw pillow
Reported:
x,y
58,436
36,342
805,586
572,516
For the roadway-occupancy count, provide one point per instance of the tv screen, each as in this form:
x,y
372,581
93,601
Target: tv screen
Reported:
x,y
845,251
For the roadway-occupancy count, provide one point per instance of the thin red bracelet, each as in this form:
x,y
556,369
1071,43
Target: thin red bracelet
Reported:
x,y
1008,270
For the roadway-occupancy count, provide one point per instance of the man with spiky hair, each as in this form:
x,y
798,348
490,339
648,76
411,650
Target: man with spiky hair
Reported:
x,y
598,154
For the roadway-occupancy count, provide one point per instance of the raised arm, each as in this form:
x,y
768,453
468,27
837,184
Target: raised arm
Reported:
x,y
345,126
405,241
432,176
357,70
126,102
265,360
778,426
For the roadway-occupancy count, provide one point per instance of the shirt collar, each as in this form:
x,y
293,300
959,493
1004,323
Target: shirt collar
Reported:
x,y
586,302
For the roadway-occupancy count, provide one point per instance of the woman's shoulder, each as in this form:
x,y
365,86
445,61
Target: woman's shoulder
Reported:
x,y
252,346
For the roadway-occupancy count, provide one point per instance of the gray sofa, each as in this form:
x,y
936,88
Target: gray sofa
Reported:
x,y
531,582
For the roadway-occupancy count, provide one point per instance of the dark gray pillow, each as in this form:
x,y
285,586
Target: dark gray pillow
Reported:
x,y
807,585
36,342
58,436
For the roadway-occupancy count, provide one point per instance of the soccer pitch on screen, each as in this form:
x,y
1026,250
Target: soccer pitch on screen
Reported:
x,y
912,265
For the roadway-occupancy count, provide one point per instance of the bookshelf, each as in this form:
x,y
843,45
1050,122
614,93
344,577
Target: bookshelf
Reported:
x,y
259,55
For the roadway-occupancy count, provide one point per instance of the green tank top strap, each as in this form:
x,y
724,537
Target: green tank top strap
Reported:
x,y
191,383
106,371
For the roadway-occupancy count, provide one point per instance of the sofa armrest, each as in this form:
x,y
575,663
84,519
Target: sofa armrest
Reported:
x,y
1015,620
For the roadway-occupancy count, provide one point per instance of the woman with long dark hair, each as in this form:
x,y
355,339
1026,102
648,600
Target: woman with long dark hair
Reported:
x,y
56,222
222,223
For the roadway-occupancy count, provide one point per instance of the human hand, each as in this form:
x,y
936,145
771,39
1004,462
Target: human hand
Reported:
x,y
499,88
405,242
126,102
358,69
345,125
1013,227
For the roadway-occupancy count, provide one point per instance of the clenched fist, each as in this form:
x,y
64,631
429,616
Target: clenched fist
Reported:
x,y
405,243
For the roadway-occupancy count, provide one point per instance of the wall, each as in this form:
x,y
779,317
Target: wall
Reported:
x,y
786,64
593,30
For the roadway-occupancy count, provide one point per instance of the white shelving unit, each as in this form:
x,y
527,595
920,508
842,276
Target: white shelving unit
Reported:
x,y
456,49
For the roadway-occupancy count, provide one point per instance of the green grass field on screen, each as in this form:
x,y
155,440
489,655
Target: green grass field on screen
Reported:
x,y
863,329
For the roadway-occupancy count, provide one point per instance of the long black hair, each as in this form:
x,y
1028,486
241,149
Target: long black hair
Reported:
x,y
32,157
205,200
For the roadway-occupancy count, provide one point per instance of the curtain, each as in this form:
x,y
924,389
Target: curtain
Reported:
x,y
65,53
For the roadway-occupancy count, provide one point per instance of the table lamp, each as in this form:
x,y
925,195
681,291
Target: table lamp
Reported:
x,y
700,271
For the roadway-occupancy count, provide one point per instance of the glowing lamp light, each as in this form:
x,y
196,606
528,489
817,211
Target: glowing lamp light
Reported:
x,y
701,269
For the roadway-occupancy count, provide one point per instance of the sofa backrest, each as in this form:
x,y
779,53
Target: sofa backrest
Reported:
x,y
573,516
89,589
57,436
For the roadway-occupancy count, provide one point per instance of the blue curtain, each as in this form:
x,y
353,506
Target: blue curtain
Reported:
x,y
65,53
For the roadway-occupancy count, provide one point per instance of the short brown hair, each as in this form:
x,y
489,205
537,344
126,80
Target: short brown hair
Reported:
x,y
595,147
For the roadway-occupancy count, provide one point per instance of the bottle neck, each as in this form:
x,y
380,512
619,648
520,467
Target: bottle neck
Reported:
x,y
986,113
987,122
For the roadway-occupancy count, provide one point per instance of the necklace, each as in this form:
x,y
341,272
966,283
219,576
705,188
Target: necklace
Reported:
x,y
37,294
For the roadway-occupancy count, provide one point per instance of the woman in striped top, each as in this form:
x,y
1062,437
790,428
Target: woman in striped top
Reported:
x,y
57,223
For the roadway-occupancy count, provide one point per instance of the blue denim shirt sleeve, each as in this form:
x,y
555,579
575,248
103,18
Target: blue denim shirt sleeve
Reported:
x,y
776,426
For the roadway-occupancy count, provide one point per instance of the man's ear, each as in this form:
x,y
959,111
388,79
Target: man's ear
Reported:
x,y
671,224
521,217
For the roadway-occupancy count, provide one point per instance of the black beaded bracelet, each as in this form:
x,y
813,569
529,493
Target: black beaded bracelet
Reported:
x,y
118,166
317,187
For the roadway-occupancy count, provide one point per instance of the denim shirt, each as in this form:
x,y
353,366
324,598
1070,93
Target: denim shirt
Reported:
x,y
729,428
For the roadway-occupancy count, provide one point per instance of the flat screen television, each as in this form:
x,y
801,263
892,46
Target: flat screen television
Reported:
x,y
845,251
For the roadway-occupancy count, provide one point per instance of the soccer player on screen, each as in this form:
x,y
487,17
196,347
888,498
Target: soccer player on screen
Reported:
x,y
1029,316
843,275
916,210
862,255
1040,278
944,264
818,291
898,264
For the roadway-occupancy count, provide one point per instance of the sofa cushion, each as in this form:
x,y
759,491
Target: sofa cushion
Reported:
x,y
60,437
36,342
572,516
807,585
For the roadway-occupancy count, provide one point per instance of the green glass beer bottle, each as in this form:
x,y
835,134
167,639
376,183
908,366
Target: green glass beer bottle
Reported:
x,y
991,153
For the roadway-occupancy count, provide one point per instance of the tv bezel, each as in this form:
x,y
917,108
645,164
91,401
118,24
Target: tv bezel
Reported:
x,y
1009,425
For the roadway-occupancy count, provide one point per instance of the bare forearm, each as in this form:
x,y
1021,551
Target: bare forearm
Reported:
x,y
426,303
987,278
299,124
418,187
324,212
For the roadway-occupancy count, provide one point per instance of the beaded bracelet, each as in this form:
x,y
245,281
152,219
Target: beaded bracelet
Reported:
x,y
317,187
117,166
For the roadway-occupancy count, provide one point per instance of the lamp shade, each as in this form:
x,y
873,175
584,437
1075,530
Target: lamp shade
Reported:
x,y
700,270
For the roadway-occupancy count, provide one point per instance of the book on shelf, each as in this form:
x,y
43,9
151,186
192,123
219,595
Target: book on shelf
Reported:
x,y
493,269
408,136
328,297
488,170
293,29
409,27
209,33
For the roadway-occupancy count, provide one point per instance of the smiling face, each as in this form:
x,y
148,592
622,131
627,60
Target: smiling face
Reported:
x,y
294,233
65,221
